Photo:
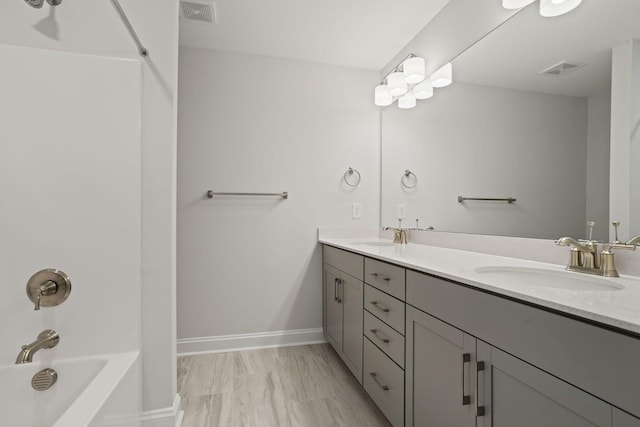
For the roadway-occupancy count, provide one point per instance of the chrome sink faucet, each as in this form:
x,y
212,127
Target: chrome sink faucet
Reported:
x,y
46,339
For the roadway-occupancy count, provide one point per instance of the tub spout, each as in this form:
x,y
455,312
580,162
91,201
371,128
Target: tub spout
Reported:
x,y
46,339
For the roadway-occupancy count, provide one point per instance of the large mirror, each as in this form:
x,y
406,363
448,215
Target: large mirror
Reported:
x,y
528,117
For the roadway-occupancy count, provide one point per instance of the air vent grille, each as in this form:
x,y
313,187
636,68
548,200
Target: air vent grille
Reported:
x,y
201,12
561,69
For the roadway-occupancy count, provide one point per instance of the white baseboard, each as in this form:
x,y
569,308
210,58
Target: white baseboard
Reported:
x,y
165,417
224,343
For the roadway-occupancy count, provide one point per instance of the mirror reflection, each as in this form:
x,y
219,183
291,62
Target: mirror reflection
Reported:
x,y
528,117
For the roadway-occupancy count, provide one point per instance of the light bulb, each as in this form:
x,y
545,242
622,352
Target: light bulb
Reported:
x,y
443,77
397,85
423,90
407,101
382,96
413,70
551,8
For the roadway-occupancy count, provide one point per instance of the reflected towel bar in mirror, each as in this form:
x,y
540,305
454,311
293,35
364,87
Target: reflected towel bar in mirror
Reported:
x,y
498,199
284,194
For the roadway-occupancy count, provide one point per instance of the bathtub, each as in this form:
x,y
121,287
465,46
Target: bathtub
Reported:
x,y
90,392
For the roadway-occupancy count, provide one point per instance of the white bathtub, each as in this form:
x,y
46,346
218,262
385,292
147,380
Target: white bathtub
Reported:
x,y
90,392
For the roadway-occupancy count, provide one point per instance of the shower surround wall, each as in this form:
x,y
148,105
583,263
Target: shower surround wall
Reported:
x,y
93,27
249,269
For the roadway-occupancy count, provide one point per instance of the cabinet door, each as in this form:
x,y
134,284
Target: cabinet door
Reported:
x,y
350,290
525,396
332,307
439,384
622,419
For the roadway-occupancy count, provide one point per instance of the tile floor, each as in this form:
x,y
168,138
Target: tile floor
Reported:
x,y
303,386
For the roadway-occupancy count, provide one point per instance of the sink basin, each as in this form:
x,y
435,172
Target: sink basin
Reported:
x,y
373,243
555,279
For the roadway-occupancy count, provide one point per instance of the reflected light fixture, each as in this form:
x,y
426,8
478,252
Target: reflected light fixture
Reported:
x,y
551,8
548,8
407,101
443,77
423,90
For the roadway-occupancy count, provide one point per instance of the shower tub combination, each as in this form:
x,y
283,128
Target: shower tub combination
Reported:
x,y
89,392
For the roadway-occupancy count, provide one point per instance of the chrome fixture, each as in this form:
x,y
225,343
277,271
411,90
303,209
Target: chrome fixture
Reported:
x,y
44,379
409,179
48,288
633,241
46,339
488,199
351,177
211,193
584,256
38,3
400,234
123,17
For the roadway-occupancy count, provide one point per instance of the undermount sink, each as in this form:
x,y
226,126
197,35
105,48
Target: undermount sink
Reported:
x,y
373,243
554,279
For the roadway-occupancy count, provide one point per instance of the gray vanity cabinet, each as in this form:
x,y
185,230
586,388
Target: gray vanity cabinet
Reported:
x,y
524,396
439,388
622,419
343,313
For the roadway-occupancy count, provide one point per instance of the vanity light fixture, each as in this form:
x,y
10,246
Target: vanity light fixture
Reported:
x,y
407,82
548,8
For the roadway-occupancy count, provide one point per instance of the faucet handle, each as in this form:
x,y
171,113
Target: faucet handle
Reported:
x,y
591,224
615,227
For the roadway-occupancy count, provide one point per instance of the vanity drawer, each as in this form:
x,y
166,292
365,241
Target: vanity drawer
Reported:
x,y
347,262
384,382
388,340
384,307
386,277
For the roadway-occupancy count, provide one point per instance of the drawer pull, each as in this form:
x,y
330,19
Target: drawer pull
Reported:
x,y
379,306
381,277
379,336
479,409
375,379
466,399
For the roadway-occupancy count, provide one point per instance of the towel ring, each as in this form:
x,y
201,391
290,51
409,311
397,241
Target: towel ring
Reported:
x,y
407,179
350,173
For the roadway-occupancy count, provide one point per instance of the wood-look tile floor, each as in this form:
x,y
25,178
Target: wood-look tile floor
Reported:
x,y
303,386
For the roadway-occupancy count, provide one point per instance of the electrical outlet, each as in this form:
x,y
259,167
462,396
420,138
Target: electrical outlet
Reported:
x,y
356,211
401,211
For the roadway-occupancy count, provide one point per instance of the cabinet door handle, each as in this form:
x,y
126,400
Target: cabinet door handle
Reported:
x,y
479,409
377,334
466,358
335,289
340,284
381,277
379,306
375,379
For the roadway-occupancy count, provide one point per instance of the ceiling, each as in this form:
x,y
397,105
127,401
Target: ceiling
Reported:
x,y
513,55
363,34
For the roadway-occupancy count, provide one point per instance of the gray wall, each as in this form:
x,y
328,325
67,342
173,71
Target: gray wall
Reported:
x,y
257,124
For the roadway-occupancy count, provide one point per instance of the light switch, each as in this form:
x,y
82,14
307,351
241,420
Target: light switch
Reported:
x,y
401,211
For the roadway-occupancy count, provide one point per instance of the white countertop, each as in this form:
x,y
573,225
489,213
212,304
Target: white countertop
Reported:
x,y
619,308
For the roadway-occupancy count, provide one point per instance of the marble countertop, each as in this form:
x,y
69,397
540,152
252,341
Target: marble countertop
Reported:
x,y
619,308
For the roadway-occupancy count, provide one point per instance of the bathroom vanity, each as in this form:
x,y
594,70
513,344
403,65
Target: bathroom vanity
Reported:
x,y
443,337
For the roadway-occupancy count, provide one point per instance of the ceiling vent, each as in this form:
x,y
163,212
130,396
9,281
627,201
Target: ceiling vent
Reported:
x,y
562,69
198,11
